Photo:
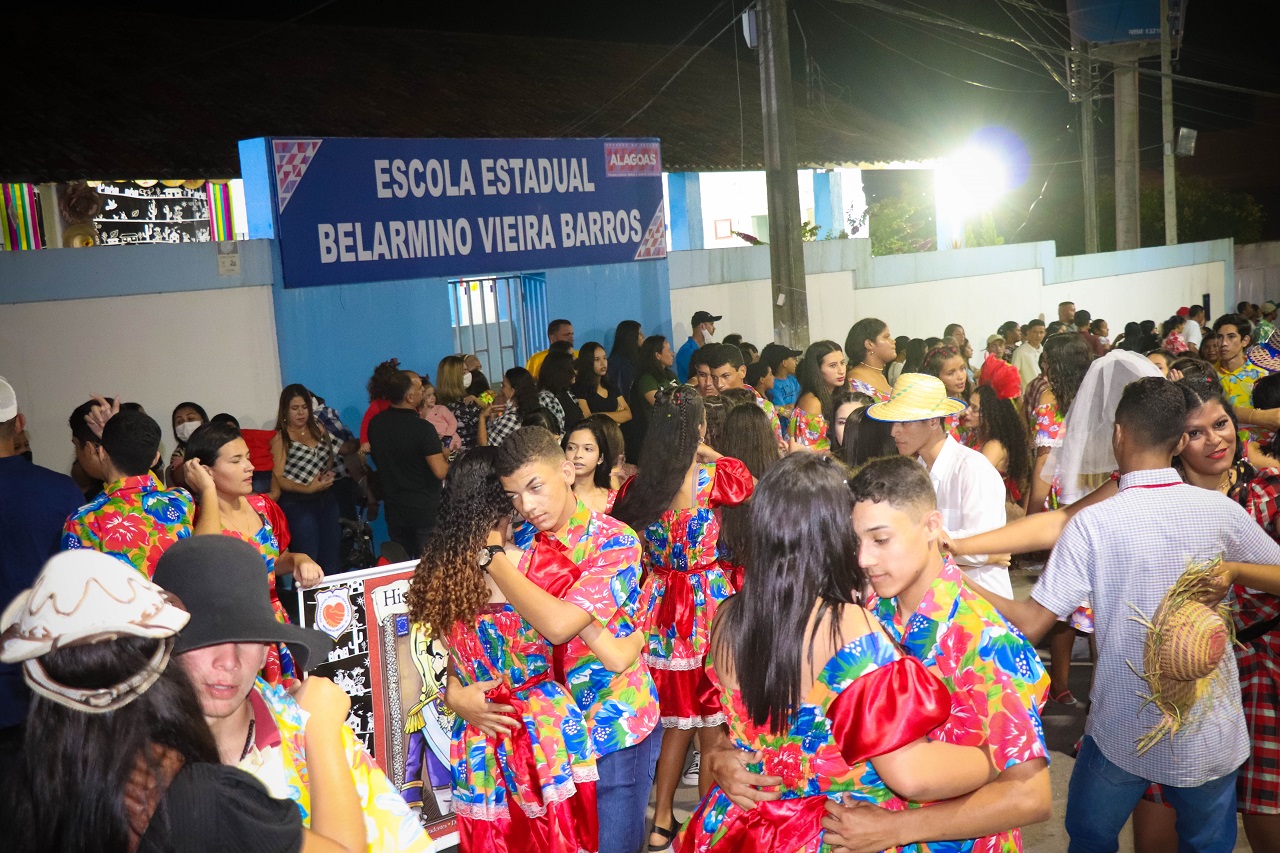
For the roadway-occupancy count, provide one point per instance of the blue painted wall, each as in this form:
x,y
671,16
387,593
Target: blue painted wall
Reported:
x,y
684,195
331,338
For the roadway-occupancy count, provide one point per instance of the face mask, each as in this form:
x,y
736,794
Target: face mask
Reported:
x,y
466,379
27,455
183,430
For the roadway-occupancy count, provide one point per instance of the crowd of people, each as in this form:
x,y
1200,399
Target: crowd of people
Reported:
x,y
781,575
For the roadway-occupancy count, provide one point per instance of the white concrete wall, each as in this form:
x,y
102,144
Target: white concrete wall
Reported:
x,y
214,347
744,305
918,295
1258,272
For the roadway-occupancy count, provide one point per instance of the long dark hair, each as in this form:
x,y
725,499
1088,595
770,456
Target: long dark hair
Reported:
x,y
915,356
748,438
608,452
67,787
1066,358
626,342
855,343
282,414
999,420
524,389
448,585
1171,324
588,382
802,551
670,445
648,364
557,372
810,375
866,439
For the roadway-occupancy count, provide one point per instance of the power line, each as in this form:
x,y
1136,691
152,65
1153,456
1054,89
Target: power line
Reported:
x,y
923,64
672,79
575,125
1031,47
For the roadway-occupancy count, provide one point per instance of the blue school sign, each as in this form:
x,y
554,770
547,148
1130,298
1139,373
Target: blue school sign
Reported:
x,y
359,210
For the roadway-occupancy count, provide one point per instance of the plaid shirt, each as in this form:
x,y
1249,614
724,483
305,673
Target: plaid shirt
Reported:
x,y
509,421
1123,555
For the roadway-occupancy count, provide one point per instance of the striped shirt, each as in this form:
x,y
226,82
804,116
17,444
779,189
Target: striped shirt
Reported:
x,y
1123,555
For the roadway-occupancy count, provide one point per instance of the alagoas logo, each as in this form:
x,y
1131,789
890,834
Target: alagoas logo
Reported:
x,y
631,159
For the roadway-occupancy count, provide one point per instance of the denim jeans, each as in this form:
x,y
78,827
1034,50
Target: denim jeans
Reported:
x,y
313,527
1101,797
622,794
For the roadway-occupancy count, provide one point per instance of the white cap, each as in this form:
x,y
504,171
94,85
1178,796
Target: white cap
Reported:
x,y
8,401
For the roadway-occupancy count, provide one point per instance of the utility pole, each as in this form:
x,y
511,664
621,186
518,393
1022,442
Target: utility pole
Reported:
x,y
786,249
1166,117
1128,234
1083,83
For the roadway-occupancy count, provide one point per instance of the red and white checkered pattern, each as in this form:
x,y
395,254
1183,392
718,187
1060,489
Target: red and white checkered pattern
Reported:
x,y
654,244
292,158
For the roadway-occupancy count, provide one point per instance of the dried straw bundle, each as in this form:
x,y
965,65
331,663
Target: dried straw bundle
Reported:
x,y
1185,643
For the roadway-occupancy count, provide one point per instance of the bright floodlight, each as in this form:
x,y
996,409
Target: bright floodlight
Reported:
x,y
972,180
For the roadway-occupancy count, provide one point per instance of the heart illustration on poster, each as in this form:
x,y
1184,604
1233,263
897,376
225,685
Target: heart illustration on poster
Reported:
x,y
333,612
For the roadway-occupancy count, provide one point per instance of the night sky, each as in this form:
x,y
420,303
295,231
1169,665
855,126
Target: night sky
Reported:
x,y
910,73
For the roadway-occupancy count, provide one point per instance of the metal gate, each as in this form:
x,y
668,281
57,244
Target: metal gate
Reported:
x,y
502,320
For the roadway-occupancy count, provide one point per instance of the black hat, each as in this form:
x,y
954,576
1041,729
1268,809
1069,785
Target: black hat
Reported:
x,y
222,582
775,354
700,317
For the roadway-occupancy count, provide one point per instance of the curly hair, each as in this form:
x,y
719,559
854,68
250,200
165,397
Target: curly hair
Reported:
x,y
1066,358
999,420
448,585
377,384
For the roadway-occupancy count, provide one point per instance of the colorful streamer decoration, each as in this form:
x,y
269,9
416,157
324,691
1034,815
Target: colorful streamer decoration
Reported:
x,y
220,211
19,217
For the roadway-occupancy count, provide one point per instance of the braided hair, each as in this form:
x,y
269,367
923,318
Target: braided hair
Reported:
x,y
670,446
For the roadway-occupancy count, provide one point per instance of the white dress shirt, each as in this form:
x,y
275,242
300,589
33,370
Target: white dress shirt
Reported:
x,y
971,499
1027,359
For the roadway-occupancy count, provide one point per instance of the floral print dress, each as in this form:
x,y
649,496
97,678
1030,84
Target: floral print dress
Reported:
x,y
532,789
827,751
808,430
684,585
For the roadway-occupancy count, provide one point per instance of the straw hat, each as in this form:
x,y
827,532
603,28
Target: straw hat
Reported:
x,y
916,397
88,597
1186,640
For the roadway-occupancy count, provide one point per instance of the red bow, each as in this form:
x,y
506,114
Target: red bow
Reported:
x,y
524,782
677,607
552,570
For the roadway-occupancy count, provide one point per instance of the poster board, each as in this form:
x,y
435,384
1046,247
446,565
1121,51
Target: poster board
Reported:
x,y
152,214
394,673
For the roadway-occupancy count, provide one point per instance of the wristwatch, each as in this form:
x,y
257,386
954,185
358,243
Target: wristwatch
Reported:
x,y
486,555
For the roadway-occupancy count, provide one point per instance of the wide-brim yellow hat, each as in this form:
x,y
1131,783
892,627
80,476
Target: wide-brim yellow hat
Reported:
x,y
916,397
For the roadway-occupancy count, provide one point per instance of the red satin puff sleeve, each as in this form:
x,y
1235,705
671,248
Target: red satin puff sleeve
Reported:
x,y
887,709
275,517
732,484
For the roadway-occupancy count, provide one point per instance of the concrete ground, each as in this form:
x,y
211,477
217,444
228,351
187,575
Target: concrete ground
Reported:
x,y
1063,726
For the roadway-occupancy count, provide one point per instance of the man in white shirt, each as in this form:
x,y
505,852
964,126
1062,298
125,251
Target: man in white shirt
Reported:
x,y
971,494
1192,330
1027,357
